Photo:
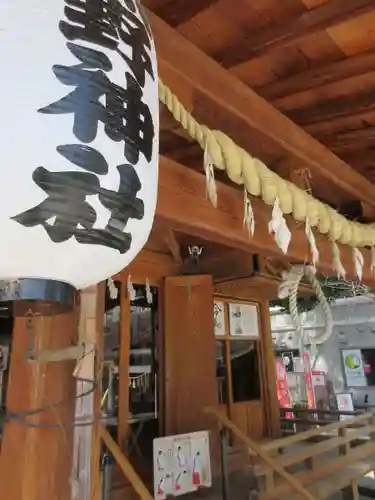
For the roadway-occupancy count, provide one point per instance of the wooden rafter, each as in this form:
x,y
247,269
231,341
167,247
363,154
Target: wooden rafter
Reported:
x,y
358,64
312,21
335,108
183,205
334,124
226,96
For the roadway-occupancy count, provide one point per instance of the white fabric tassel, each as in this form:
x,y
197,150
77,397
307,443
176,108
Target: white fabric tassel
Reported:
x,y
112,288
373,261
358,263
337,264
149,296
211,190
248,219
312,243
131,289
279,227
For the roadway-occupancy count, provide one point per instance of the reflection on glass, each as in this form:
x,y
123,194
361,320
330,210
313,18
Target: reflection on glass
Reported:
x,y
221,372
142,370
245,370
111,349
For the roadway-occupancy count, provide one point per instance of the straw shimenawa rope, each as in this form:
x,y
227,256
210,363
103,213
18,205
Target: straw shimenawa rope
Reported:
x,y
260,181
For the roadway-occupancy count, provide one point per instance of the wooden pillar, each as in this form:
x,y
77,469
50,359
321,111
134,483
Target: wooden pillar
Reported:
x,y
36,452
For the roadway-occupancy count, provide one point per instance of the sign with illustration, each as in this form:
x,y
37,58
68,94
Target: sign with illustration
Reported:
x,y
181,464
243,320
354,368
219,318
344,402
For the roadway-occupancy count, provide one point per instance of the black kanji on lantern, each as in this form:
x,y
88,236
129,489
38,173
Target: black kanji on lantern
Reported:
x,y
66,212
123,205
105,23
124,114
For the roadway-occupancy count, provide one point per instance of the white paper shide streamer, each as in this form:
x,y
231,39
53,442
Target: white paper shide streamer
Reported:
x,y
149,296
211,189
131,290
373,261
358,263
279,227
248,219
312,243
112,288
337,264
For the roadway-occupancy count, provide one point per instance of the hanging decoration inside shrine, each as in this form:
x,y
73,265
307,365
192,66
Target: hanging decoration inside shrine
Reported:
x,y
79,145
285,197
333,288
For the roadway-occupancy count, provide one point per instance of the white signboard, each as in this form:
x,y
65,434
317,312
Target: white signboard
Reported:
x,y
243,320
345,403
219,318
353,368
181,464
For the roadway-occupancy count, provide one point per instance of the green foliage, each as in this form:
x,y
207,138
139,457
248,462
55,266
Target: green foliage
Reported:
x,y
333,289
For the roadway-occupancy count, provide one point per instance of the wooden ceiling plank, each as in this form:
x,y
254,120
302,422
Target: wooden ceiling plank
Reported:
x,y
183,205
320,18
334,108
333,72
207,80
342,89
177,12
350,138
336,125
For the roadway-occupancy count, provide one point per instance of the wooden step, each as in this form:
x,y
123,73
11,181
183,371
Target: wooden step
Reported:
x,y
327,487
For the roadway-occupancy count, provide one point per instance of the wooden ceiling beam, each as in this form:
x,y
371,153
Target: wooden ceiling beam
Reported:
x,y
358,64
320,18
183,205
210,92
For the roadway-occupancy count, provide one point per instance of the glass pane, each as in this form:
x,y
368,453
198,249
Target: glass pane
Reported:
x,y
143,355
109,401
221,372
245,370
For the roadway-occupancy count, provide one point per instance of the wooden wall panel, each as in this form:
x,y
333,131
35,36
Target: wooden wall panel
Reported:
x,y
249,417
190,383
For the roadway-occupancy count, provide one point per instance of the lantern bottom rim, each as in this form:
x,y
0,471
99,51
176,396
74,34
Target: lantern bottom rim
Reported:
x,y
48,297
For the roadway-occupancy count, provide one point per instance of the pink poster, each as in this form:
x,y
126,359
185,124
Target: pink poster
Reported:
x,y
283,394
308,376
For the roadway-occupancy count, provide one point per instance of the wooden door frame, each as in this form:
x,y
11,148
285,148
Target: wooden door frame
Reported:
x,y
267,373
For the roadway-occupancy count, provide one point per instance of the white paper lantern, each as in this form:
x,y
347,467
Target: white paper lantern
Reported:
x,y
79,138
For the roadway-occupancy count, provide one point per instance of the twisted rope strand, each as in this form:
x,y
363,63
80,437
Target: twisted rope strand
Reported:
x,y
260,181
293,279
